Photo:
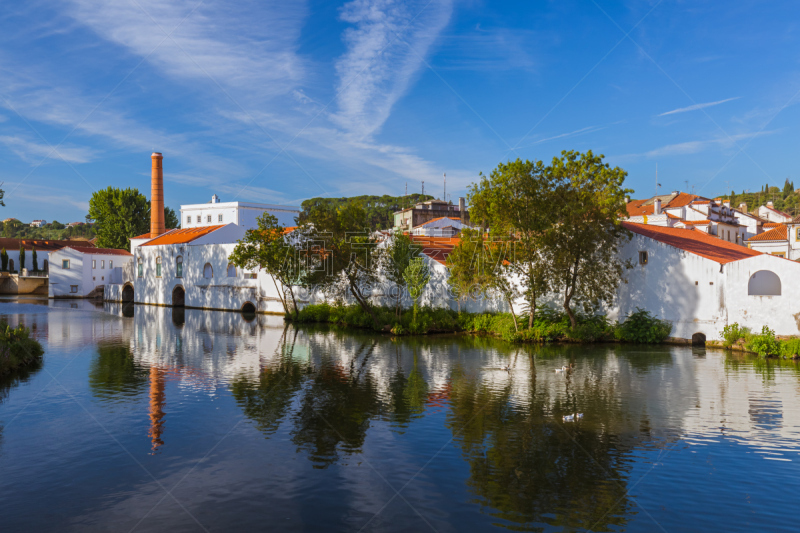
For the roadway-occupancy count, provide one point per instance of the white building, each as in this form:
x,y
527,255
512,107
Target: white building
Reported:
x,y
682,210
38,223
240,213
770,214
440,227
76,271
782,240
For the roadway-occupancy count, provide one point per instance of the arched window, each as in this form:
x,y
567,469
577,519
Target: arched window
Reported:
x,y
208,271
231,270
179,266
764,283
139,267
158,267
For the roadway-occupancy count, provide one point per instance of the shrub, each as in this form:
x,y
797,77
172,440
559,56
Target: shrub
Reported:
x,y
17,348
642,327
732,333
790,347
764,344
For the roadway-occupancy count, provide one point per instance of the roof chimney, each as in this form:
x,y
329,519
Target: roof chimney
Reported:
x,y
156,196
743,207
215,199
657,206
461,202
770,204
726,203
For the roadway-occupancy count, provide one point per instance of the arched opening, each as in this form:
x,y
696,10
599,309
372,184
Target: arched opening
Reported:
x,y
178,296
699,339
231,270
127,293
248,311
208,271
764,283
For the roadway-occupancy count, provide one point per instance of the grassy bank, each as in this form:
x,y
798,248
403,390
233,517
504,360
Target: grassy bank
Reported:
x,y
765,344
17,348
548,325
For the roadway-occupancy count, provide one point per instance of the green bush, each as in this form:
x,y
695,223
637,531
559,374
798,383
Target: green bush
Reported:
x,y
643,328
732,333
17,348
763,344
790,347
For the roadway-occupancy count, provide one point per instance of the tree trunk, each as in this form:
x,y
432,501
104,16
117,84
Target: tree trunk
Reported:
x,y
280,295
294,302
363,303
516,328
569,290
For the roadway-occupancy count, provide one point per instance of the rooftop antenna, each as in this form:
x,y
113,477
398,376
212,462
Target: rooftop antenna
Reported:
x,y
444,196
687,185
423,188
657,183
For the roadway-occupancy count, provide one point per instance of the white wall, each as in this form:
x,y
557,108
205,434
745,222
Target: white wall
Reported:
x,y
81,272
239,213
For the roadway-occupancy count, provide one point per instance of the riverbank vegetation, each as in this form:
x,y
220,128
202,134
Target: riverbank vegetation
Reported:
x,y
548,325
765,343
17,348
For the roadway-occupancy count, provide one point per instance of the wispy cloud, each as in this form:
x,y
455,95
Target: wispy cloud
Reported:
x,y
693,147
696,107
32,152
385,47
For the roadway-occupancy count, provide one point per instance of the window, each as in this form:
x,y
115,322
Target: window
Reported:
x,y
102,263
73,288
198,219
208,219
110,264
158,267
208,271
797,234
764,283
179,267
189,219
140,268
65,264
250,275
643,258
779,254
231,271
219,218
94,264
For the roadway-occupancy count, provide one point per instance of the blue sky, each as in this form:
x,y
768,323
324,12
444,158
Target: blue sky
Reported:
x,y
281,101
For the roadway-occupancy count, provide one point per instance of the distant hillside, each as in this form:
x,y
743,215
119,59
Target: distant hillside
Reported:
x,y
785,199
379,208
13,228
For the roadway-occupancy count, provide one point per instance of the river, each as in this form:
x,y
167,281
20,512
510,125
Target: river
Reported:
x,y
158,419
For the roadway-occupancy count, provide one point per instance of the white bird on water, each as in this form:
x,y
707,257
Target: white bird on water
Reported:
x,y
562,369
569,418
506,368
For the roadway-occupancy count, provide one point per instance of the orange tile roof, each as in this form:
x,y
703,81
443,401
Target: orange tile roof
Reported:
x,y
694,241
437,248
142,236
772,224
636,208
182,236
439,218
775,234
696,222
98,251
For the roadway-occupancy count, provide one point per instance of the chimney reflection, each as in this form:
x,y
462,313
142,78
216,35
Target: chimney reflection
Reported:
x,y
157,401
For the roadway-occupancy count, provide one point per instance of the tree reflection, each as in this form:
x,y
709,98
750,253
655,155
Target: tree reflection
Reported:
x,y
407,395
336,409
531,468
267,400
114,372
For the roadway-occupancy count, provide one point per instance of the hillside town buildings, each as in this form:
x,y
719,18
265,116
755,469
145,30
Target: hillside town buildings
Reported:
x,y
412,217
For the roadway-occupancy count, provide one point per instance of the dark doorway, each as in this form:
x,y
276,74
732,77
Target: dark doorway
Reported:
x,y
179,316
127,293
699,339
178,297
248,311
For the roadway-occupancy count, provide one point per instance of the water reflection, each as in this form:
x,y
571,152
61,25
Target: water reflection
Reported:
x,y
496,439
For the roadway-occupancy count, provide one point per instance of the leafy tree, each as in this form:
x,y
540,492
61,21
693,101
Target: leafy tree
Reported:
x,y
417,276
21,258
398,255
466,279
340,253
171,220
4,260
271,248
34,259
584,244
517,200
57,225
119,215
378,210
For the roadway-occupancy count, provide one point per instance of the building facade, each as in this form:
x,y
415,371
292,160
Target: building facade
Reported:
x,y
410,218
243,214
76,272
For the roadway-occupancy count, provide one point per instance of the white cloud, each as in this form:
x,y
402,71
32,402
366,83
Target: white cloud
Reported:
x,y
32,152
693,147
696,107
385,50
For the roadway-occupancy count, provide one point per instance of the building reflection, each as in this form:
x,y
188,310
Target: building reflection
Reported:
x,y
157,401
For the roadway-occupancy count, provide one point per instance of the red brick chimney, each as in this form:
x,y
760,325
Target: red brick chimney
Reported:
x,y
157,196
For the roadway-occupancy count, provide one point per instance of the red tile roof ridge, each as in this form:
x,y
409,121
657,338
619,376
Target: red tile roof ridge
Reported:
x,y
694,241
98,251
183,235
779,233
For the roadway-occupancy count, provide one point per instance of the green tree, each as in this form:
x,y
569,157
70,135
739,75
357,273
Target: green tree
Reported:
x,y
340,253
271,248
34,259
4,260
21,258
516,201
466,279
171,220
584,243
56,225
397,256
119,214
417,276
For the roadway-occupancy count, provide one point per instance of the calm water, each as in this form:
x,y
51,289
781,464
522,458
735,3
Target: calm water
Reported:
x,y
162,420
